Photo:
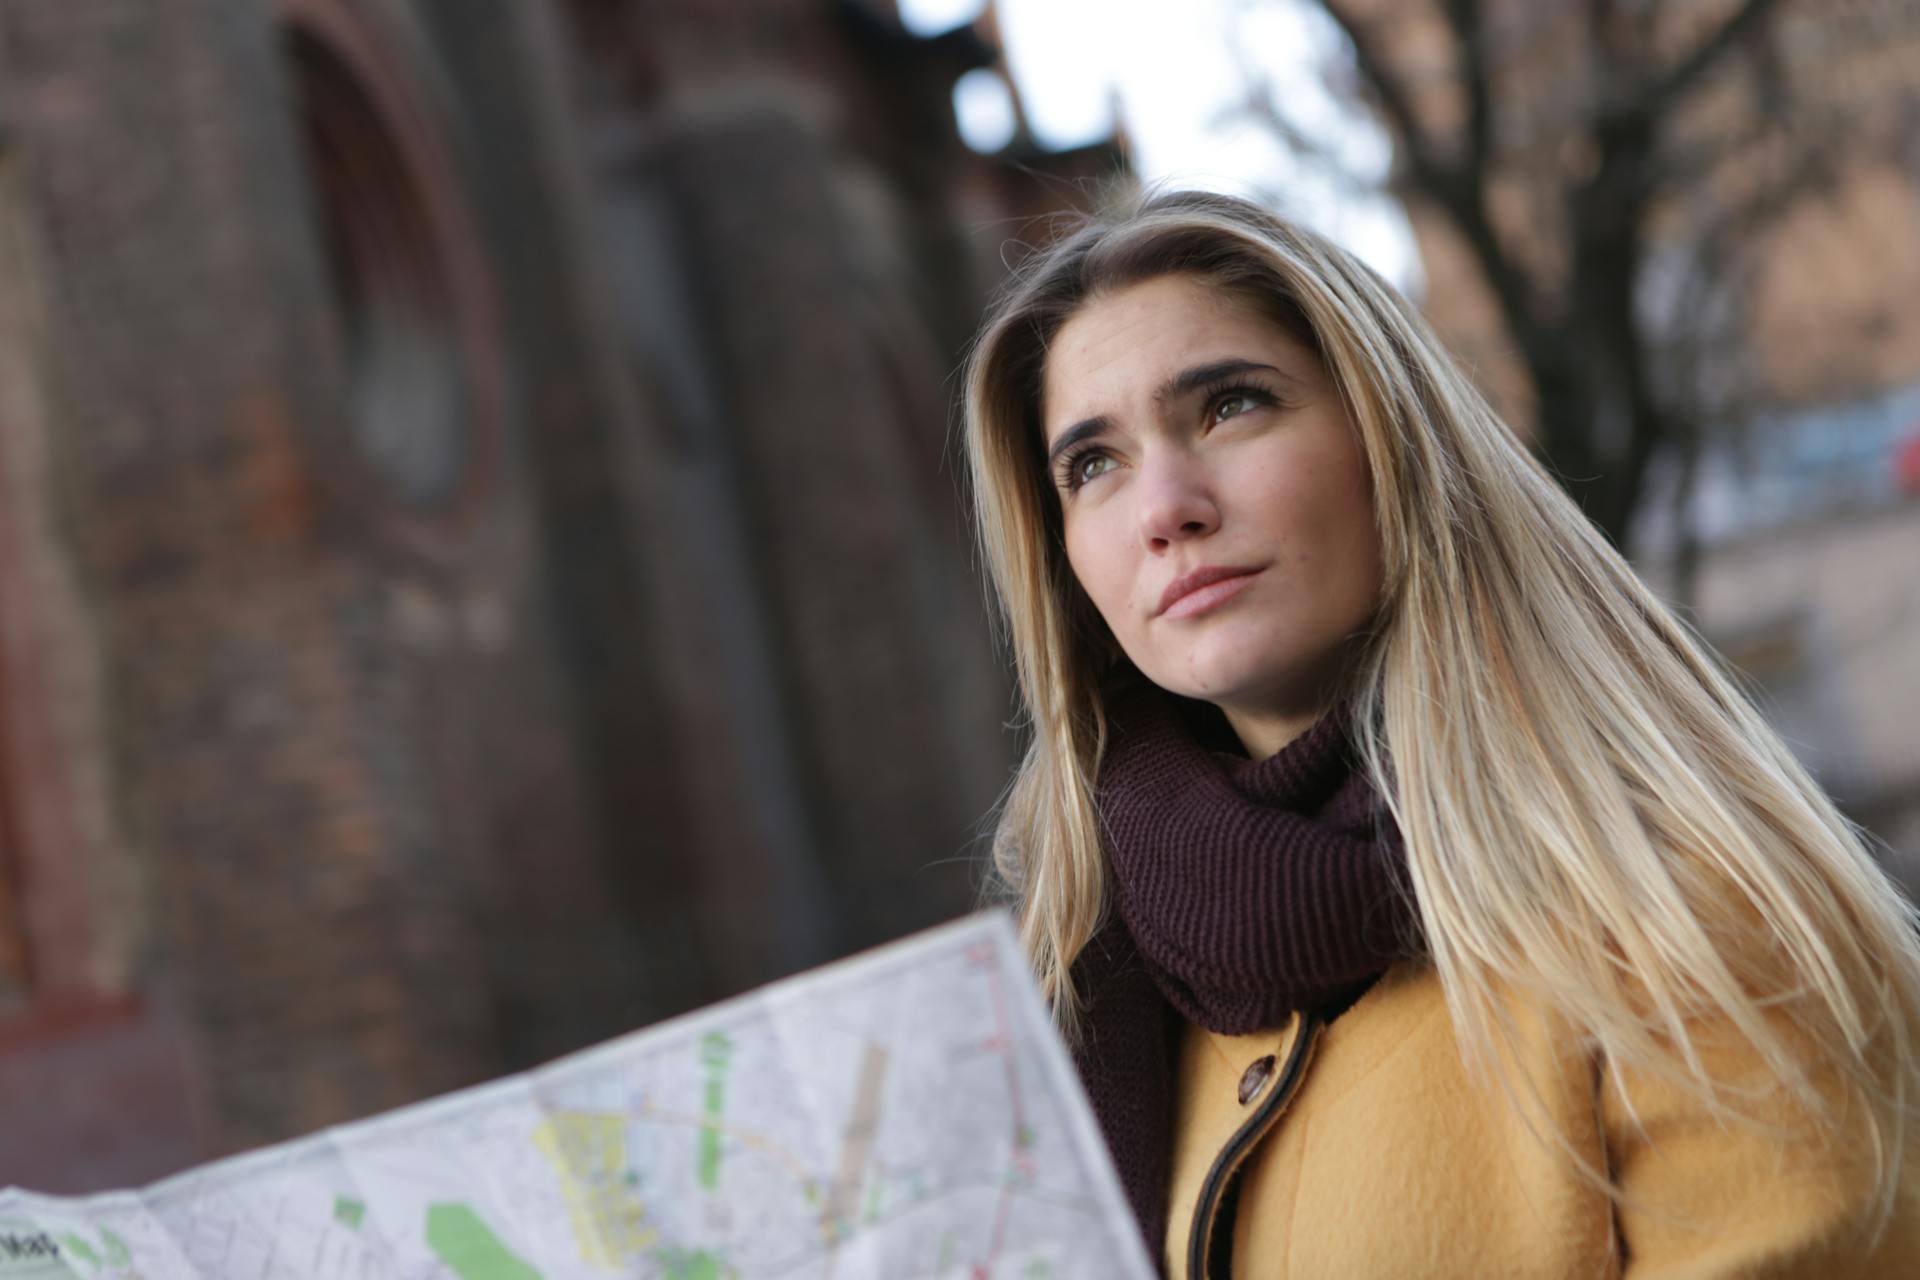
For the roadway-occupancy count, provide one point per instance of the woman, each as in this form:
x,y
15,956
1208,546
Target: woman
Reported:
x,y
1418,896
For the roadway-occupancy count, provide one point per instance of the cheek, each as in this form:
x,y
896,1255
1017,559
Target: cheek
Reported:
x,y
1319,517
1100,564
1345,541
1296,503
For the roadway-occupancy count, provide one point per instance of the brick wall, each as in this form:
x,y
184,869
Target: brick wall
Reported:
x,y
261,718
683,684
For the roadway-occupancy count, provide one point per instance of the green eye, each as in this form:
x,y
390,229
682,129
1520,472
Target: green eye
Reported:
x,y
1094,464
1230,406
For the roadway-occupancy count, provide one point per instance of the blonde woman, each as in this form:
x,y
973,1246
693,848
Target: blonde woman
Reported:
x,y
1418,895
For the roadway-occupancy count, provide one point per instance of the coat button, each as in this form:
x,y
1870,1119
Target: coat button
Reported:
x,y
1256,1079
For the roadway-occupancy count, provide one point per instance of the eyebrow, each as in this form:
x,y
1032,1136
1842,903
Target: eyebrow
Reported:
x,y
1180,384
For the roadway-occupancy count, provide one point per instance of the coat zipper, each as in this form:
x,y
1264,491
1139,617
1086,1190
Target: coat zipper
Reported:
x,y
1244,1140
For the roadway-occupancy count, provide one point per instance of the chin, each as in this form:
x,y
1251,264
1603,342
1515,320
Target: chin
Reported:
x,y
1227,687
1247,678
1232,672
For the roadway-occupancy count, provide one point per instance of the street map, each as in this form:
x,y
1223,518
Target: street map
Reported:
x,y
906,1113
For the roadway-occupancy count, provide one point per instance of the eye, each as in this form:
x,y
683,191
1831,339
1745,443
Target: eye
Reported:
x,y
1233,404
1231,399
1088,466
1085,463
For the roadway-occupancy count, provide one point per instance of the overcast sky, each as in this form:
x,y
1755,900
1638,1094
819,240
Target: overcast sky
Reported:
x,y
1175,73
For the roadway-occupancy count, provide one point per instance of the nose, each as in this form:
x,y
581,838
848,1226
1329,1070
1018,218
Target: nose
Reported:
x,y
1177,502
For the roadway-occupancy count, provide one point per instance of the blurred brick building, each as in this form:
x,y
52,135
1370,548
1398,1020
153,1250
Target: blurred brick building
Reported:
x,y
480,567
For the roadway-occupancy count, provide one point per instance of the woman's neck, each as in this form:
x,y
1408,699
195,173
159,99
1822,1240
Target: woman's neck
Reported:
x,y
1266,732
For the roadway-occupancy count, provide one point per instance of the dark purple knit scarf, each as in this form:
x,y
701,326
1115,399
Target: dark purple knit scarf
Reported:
x,y
1242,891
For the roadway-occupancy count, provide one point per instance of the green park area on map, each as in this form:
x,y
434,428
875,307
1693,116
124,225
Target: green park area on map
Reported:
x,y
469,1247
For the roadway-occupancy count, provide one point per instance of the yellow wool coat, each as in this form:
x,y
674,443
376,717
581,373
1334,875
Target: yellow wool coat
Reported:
x,y
1365,1151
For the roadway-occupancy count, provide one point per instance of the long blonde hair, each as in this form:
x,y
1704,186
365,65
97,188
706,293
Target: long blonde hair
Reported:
x,y
1594,814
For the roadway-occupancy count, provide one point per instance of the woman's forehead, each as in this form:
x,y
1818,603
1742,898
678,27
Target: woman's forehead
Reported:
x,y
1131,342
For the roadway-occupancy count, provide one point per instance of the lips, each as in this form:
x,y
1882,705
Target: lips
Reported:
x,y
1200,590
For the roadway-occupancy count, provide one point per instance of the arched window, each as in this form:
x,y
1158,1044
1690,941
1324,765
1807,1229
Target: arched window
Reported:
x,y
413,306
393,301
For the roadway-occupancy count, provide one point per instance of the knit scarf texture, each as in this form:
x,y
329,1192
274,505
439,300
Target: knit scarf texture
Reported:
x,y
1243,891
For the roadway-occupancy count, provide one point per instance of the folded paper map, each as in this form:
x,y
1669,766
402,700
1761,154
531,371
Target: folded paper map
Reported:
x,y
906,1113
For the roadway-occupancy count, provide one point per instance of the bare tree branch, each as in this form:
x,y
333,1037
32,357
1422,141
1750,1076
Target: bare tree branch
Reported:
x,y
1458,188
1428,169
1469,31
1662,96
1823,142
1635,182
1262,108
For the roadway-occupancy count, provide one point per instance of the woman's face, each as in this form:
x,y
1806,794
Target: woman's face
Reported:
x,y
1215,499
